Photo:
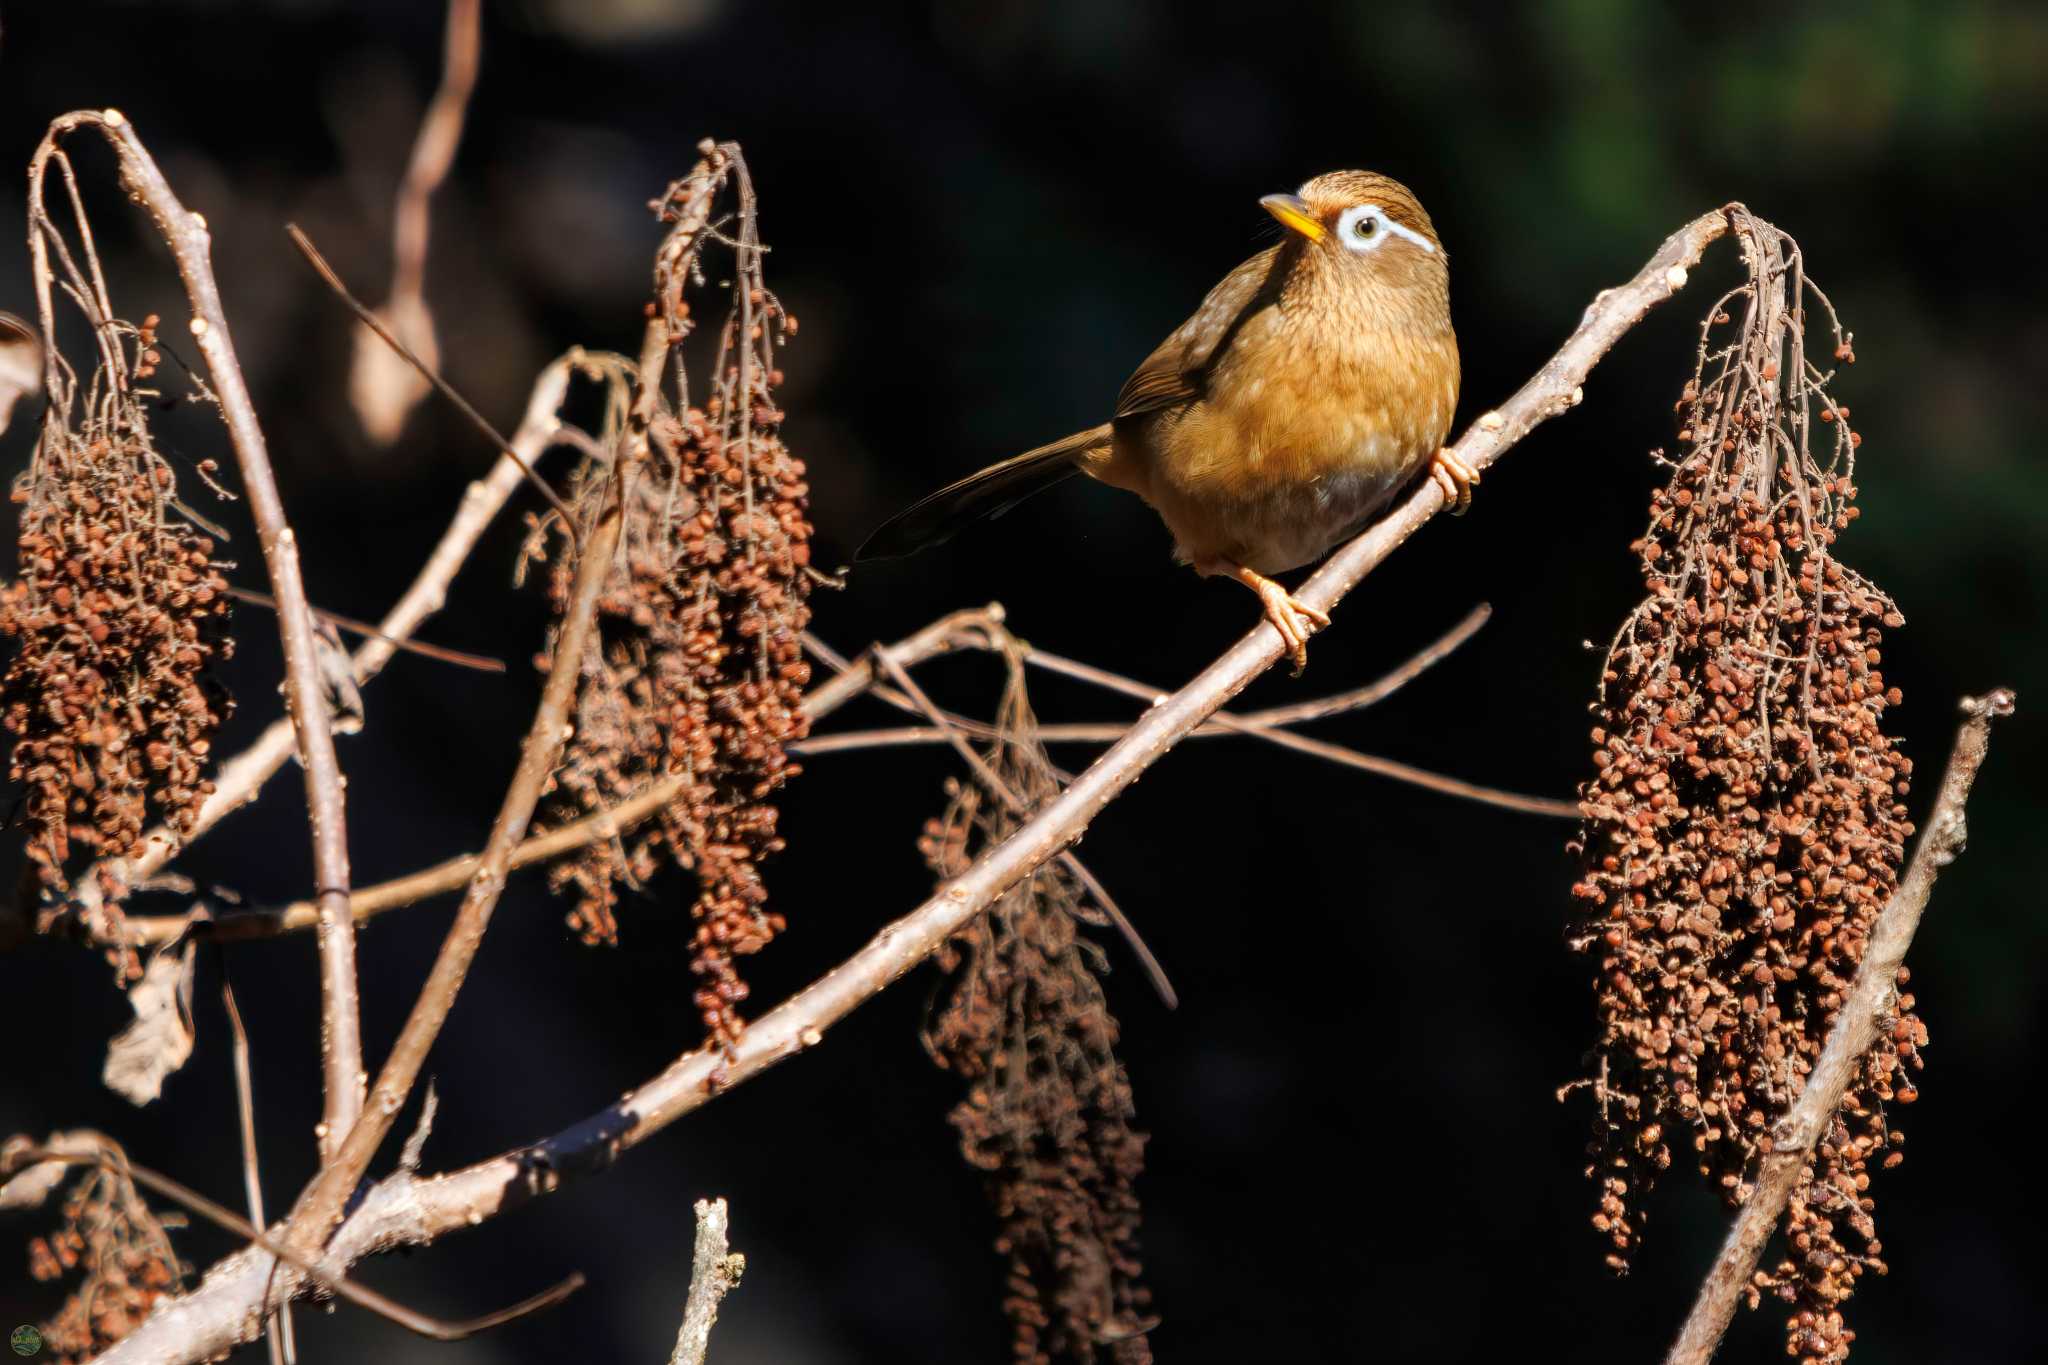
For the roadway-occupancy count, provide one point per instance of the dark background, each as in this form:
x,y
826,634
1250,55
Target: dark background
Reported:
x,y
985,215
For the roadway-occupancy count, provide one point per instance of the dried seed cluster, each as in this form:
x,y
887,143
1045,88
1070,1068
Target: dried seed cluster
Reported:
x,y
116,616
1048,1113
110,1238
699,669
1745,823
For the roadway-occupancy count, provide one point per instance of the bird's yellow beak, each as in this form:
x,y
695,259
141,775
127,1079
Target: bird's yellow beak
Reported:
x,y
1294,214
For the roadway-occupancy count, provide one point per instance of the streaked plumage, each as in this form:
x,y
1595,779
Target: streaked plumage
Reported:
x,y
1313,383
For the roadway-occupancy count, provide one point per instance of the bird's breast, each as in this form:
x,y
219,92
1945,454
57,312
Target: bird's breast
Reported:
x,y
1298,440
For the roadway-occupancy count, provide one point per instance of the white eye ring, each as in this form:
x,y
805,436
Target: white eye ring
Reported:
x,y
1365,227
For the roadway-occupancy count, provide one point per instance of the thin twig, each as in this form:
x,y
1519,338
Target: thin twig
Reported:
x,y
320,1206
1335,753
382,387
714,1273
1003,792
191,246
986,636
1380,688
1255,724
402,1210
261,1241
282,1349
433,151
821,701
1872,999
482,663
979,628
368,317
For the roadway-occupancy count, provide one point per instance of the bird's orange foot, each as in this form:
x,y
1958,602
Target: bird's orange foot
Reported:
x,y
1456,478
1295,619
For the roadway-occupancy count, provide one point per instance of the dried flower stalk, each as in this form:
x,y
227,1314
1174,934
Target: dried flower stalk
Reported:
x,y
1746,823
116,617
699,670
1048,1113
109,1237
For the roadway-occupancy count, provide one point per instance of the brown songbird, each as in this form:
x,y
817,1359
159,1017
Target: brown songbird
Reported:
x,y
1312,385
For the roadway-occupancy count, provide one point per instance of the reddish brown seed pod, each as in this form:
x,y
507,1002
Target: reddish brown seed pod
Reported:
x,y
1047,1113
1741,812
111,645
698,673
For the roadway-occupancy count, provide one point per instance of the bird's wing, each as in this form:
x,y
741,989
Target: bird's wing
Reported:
x,y
1178,370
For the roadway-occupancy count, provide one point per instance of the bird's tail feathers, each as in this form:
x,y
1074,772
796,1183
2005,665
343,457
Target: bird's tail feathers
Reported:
x,y
937,517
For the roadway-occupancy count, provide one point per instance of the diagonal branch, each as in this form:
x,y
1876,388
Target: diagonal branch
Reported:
x,y
320,1206
1015,804
974,629
404,1210
940,637
1871,999
305,698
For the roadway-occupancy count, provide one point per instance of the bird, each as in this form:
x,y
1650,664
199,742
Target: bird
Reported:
x,y
1315,382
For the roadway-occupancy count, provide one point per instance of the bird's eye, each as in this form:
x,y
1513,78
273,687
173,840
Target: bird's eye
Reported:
x,y
1365,228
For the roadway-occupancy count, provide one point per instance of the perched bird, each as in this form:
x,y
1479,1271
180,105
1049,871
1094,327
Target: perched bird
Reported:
x,y
1312,385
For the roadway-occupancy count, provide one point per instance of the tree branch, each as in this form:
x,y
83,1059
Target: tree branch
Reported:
x,y
1870,1000
282,1348
1016,805
305,698
320,1206
940,637
714,1273
405,1210
980,628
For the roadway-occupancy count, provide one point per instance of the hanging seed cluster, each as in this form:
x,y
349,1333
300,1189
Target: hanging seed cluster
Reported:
x,y
699,670
1745,822
112,1240
115,619
1048,1114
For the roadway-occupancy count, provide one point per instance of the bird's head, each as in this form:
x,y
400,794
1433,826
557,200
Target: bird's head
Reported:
x,y
1363,227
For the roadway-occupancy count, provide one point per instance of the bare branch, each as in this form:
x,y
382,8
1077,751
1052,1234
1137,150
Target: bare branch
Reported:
x,y
1382,687
1002,791
383,387
368,317
938,638
85,1148
980,628
1872,997
1335,753
282,1349
191,246
714,1273
320,1206
403,1210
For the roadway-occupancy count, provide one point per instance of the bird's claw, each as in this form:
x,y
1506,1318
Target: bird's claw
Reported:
x,y
1295,619
1456,479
